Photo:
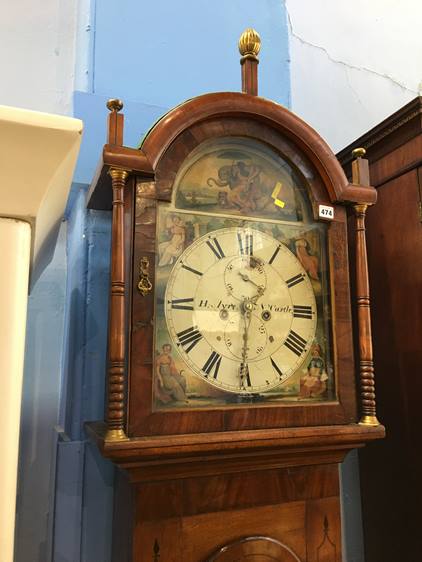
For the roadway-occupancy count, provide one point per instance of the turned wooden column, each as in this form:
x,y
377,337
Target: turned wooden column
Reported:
x,y
249,47
366,362
115,409
116,380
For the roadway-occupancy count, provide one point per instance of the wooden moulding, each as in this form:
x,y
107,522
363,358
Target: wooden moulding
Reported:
x,y
100,195
389,135
361,194
163,457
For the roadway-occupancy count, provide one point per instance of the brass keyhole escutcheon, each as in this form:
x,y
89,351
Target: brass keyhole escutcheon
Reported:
x,y
144,284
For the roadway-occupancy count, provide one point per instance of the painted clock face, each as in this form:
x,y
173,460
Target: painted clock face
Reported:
x,y
242,306
241,310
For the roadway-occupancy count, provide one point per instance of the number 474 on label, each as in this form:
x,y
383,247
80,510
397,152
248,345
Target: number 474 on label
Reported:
x,y
326,212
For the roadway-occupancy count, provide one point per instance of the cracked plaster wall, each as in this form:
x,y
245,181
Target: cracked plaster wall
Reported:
x,y
353,63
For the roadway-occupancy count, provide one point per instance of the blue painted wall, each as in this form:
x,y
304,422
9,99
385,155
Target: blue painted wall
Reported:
x,y
153,55
158,54
84,480
170,51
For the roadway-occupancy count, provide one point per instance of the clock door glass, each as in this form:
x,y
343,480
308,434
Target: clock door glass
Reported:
x,y
242,312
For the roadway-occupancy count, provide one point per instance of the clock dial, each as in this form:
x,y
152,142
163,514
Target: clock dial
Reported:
x,y
241,310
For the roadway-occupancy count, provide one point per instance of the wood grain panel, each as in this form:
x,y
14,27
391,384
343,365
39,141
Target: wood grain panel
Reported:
x,y
191,518
225,492
158,542
394,163
395,262
203,534
323,530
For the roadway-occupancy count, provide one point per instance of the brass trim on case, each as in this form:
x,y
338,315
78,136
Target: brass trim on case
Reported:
x,y
144,284
115,435
249,43
369,421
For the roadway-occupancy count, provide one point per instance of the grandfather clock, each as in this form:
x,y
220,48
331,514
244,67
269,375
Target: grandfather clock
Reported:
x,y
232,388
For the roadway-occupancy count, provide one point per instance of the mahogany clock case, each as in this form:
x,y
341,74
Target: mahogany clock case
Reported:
x,y
198,482
183,135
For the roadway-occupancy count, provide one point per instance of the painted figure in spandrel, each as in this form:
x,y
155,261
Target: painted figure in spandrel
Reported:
x,y
314,383
309,262
170,250
171,384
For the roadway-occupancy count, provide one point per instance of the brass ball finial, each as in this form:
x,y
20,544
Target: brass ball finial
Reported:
x,y
114,105
358,152
249,43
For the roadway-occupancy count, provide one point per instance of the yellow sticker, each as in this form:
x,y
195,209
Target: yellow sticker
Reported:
x,y
274,195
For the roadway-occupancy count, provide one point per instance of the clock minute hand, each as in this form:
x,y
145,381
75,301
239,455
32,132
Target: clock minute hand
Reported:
x,y
246,277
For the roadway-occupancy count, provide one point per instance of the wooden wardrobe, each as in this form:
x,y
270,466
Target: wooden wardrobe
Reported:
x,y
391,469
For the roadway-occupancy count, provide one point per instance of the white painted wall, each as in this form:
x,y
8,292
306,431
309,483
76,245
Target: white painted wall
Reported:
x,y
37,40
353,63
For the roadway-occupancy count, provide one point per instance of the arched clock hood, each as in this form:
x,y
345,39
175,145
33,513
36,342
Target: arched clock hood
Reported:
x,y
239,105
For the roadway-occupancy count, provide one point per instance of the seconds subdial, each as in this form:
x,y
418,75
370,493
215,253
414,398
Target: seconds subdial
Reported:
x,y
234,334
